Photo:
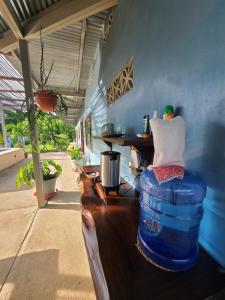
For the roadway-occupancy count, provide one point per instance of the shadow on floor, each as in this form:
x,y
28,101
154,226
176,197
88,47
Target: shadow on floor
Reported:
x,y
8,178
65,200
36,276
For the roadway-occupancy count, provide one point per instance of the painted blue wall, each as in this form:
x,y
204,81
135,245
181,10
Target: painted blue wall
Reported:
x,y
178,48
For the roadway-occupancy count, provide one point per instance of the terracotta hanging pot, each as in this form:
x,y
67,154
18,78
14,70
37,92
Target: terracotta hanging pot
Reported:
x,y
46,101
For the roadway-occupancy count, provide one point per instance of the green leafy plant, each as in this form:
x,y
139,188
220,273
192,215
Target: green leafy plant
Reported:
x,y
75,153
50,169
53,133
25,175
1,140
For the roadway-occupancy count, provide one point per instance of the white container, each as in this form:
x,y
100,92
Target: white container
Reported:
x,y
49,186
79,163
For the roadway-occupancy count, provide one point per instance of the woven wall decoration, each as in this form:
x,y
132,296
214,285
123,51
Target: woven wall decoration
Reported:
x,y
108,24
122,83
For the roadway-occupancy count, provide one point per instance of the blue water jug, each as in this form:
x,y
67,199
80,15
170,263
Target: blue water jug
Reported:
x,y
170,215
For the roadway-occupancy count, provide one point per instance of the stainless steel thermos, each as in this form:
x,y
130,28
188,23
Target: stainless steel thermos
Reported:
x,y
110,169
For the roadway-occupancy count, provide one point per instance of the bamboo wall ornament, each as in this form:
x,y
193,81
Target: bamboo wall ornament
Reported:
x,y
122,83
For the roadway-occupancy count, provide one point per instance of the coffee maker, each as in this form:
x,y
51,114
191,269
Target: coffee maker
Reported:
x,y
110,171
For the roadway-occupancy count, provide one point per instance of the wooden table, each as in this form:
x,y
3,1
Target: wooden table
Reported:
x,y
127,273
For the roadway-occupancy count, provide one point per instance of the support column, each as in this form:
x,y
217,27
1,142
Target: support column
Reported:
x,y
3,127
24,55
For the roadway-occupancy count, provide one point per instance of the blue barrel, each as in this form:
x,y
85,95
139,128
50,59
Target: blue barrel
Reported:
x,y
170,215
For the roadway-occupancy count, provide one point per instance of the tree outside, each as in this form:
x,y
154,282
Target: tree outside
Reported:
x,y
53,133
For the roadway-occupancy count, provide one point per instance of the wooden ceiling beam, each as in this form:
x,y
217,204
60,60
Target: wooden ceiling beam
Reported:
x,y
12,91
8,42
82,41
63,14
51,19
11,99
11,19
11,78
67,92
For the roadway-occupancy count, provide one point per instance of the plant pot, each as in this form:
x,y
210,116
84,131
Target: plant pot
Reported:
x,y
49,186
46,101
78,163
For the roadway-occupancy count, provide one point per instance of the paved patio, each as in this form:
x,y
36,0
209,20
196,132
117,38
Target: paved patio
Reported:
x,y
42,252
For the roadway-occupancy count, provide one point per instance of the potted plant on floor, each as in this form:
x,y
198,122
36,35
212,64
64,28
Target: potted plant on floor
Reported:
x,y
77,157
50,169
46,99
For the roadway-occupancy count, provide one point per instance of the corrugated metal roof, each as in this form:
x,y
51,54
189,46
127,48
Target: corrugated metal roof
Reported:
x,y
26,9
62,46
12,99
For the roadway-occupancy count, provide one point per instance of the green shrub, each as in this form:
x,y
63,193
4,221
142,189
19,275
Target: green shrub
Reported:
x,y
1,140
18,145
50,169
43,148
75,153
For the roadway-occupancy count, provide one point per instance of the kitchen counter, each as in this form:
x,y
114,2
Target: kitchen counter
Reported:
x,y
118,269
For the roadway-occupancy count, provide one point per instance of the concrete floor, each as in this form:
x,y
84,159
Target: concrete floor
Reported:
x,y
42,252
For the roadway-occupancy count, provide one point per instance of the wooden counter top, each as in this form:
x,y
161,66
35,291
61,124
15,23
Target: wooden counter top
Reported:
x,y
127,273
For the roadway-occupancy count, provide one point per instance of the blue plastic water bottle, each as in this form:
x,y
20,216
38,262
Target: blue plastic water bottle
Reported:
x,y
170,215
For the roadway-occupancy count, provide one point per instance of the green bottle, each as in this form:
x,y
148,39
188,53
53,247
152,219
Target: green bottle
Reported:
x,y
146,125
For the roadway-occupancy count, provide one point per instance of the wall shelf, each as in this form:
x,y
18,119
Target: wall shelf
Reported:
x,y
144,146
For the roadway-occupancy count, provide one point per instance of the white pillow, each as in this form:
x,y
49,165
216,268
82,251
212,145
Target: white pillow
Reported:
x,y
169,141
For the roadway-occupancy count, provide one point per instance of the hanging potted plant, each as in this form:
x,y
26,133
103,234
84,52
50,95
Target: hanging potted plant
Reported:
x,y
77,157
46,99
50,170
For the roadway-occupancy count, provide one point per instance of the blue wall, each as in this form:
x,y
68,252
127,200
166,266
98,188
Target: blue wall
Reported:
x,y
178,48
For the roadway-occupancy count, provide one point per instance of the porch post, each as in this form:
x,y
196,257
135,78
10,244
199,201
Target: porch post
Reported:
x,y
3,127
24,55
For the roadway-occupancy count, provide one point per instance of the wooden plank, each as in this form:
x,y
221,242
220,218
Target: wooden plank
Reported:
x,y
82,41
127,273
91,243
11,19
63,14
126,140
24,54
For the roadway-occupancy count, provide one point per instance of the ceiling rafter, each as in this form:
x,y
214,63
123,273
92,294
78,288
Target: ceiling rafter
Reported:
x,y
11,78
12,91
